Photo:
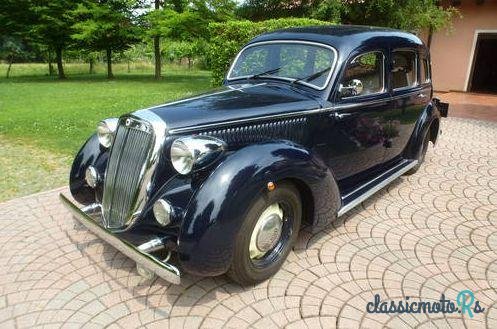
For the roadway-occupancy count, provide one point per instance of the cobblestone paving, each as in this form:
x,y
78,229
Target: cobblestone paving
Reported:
x,y
428,234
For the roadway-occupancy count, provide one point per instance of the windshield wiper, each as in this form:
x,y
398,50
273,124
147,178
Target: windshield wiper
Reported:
x,y
268,72
312,76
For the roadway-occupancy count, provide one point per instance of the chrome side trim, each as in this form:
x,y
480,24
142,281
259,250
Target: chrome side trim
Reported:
x,y
247,120
165,270
292,114
322,45
372,102
396,173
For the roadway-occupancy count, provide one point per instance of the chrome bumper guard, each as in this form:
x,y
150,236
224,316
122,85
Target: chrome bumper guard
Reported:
x,y
162,269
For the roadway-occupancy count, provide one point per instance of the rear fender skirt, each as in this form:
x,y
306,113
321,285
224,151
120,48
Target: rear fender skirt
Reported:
x,y
216,212
91,154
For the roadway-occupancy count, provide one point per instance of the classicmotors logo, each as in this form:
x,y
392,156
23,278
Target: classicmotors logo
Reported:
x,y
465,304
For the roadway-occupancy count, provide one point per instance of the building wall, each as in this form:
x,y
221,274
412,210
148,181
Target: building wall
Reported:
x,y
451,51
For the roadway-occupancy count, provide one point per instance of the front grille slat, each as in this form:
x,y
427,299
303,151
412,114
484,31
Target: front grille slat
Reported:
x,y
124,173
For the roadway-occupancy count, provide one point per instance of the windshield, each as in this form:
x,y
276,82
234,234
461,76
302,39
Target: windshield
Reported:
x,y
305,63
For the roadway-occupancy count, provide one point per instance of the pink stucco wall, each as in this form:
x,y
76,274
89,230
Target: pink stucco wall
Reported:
x,y
451,51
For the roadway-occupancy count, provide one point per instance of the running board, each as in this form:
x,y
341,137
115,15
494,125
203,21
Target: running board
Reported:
x,y
363,192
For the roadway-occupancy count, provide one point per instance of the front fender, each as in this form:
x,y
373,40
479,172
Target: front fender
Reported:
x,y
216,212
91,153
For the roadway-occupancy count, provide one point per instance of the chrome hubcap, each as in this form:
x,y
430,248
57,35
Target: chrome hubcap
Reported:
x,y
267,231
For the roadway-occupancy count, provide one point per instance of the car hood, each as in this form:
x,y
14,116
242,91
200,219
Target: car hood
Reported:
x,y
234,102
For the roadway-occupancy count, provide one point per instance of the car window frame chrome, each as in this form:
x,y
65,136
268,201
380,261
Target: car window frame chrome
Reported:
x,y
280,41
384,90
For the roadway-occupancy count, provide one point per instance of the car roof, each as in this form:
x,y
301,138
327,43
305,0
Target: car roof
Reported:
x,y
345,37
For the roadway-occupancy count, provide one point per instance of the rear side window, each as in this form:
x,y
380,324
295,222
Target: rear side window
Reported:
x,y
404,66
364,75
425,71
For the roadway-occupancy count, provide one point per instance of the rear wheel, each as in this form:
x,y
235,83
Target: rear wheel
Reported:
x,y
267,235
422,154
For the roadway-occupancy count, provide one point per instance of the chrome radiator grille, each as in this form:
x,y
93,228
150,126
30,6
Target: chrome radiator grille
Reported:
x,y
125,170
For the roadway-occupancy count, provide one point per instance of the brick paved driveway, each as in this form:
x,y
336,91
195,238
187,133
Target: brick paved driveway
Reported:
x,y
432,233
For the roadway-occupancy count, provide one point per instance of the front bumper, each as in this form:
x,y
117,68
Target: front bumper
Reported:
x,y
144,259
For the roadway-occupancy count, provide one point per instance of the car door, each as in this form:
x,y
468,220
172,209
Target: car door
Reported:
x,y
411,91
354,138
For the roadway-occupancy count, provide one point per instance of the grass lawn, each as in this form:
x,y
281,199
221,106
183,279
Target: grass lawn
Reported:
x,y
47,120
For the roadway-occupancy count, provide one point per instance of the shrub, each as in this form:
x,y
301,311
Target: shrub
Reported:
x,y
228,37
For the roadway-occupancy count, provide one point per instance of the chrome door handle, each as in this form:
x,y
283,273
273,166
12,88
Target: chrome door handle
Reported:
x,y
421,95
340,116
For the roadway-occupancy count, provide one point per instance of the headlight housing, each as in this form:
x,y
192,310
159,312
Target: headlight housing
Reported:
x,y
195,152
105,131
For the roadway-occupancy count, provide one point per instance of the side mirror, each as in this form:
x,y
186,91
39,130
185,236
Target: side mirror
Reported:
x,y
354,88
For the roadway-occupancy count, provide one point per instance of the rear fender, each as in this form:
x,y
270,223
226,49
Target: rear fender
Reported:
x,y
430,116
216,212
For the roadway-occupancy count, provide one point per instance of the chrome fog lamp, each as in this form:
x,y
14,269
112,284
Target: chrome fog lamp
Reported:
x,y
105,131
91,176
162,212
195,151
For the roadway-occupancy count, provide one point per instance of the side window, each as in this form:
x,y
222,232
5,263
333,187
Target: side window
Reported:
x,y
404,67
364,75
425,71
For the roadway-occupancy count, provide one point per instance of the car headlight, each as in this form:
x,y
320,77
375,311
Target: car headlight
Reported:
x,y
196,152
105,131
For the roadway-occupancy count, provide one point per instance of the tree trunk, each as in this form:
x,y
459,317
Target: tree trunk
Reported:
x,y
157,54
92,66
8,68
430,37
60,67
129,68
110,75
50,66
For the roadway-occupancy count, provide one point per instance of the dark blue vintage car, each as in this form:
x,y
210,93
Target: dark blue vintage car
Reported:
x,y
309,123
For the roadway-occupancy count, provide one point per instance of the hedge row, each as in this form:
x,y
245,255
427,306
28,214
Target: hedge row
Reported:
x,y
227,38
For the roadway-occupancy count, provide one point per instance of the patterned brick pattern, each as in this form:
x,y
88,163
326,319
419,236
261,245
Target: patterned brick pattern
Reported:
x,y
427,234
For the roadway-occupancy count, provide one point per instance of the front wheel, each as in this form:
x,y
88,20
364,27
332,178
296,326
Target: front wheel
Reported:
x,y
267,235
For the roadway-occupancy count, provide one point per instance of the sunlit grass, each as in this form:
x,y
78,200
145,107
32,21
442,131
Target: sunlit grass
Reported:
x,y
44,121
59,115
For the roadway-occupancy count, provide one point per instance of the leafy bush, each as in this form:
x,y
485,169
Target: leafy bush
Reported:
x,y
228,37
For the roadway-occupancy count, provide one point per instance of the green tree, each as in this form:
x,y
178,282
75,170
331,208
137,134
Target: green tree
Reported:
x,y
107,25
15,17
52,26
185,26
257,10
12,49
214,10
43,22
184,21
410,15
